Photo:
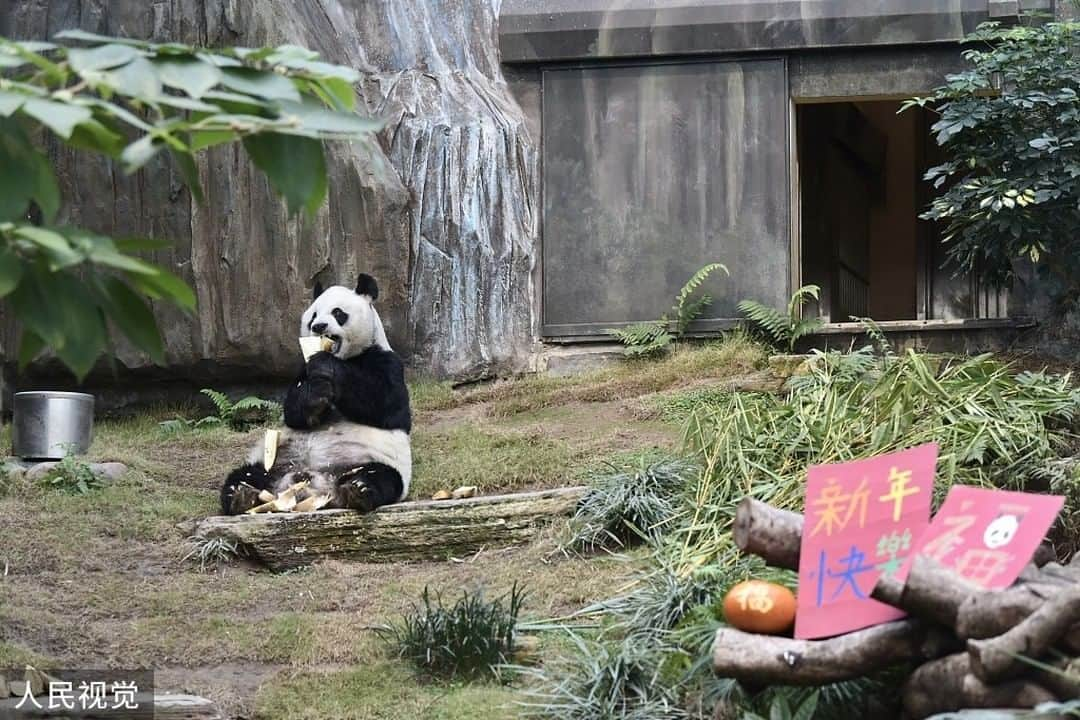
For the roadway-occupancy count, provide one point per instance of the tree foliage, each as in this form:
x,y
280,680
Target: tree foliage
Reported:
x,y
1010,189
132,101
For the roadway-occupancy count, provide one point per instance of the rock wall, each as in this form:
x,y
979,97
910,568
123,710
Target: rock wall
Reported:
x,y
449,231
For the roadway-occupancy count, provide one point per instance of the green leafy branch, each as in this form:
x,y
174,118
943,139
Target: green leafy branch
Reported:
x,y
131,101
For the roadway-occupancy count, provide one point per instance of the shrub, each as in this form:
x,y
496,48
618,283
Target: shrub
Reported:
x,y
470,639
1009,123
602,680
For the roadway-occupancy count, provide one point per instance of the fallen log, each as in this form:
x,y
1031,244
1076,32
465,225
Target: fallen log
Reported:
x,y
771,534
931,591
764,659
947,685
997,658
410,531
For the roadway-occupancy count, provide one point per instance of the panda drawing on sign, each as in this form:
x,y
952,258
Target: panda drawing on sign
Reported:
x,y
1001,531
347,416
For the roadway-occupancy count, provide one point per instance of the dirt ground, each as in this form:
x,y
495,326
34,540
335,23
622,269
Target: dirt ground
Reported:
x,y
100,579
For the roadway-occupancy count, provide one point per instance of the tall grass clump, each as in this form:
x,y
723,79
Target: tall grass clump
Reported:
x,y
468,640
620,507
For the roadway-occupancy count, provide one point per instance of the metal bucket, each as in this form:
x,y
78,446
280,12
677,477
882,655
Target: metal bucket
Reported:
x,y
51,425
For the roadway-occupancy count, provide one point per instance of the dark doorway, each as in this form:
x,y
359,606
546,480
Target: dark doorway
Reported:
x,y
861,168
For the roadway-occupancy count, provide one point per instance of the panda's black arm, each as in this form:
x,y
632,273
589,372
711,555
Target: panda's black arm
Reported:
x,y
370,389
308,401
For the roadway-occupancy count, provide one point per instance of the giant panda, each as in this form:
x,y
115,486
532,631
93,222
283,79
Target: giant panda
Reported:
x,y
347,416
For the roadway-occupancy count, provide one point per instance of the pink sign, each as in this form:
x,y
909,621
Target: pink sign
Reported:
x,y
987,535
862,519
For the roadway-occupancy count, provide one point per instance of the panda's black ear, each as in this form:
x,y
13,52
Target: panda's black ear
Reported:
x,y
317,291
366,285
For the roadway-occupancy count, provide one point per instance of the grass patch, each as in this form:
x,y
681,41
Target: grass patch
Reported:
x,y
735,354
15,657
289,638
491,460
380,690
136,599
426,394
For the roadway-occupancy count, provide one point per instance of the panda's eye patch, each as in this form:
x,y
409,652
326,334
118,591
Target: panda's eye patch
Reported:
x,y
340,315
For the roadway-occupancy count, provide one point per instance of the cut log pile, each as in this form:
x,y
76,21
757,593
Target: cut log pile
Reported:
x,y
973,647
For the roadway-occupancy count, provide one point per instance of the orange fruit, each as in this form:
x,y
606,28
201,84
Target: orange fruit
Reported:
x,y
762,607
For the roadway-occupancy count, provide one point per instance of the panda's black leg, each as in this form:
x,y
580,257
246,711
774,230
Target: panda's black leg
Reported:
x,y
368,487
240,492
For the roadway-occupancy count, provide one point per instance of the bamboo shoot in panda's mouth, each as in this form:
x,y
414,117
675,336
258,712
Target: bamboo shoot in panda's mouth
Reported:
x,y
315,343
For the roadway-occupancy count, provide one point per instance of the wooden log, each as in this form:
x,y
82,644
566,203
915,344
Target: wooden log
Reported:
x,y
947,685
772,534
989,614
1061,677
1017,694
997,658
410,531
932,591
764,659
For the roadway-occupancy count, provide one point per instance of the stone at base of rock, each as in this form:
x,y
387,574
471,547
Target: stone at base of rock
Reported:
x,y
34,471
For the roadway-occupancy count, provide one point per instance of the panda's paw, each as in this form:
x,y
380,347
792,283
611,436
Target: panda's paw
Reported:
x,y
244,497
355,494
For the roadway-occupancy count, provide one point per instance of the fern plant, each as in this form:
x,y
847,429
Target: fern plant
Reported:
x,y
784,329
652,338
876,335
644,339
240,415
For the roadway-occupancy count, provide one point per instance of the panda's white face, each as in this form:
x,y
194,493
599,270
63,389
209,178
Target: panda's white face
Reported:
x,y
1000,531
347,318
